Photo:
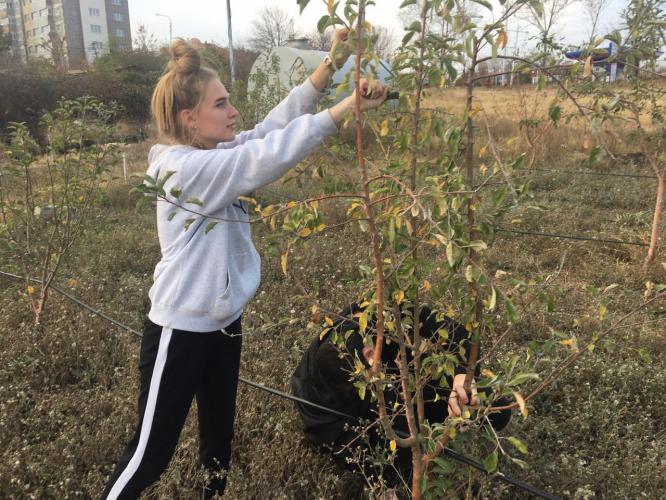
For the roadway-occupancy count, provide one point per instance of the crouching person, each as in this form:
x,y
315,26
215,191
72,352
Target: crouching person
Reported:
x,y
323,377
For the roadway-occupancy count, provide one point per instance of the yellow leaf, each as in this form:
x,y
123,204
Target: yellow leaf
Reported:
x,y
602,312
81,198
384,130
399,296
31,290
320,227
426,285
323,333
291,204
393,446
587,69
486,372
305,232
516,221
72,282
363,322
328,321
283,262
330,6
502,38
482,152
521,403
250,200
571,343
450,312
468,326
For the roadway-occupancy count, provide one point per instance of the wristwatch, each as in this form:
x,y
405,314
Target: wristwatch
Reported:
x,y
330,63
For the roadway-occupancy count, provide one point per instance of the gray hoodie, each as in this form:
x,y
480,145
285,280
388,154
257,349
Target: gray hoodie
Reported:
x,y
203,281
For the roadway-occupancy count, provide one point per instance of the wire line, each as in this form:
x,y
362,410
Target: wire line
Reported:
x,y
447,451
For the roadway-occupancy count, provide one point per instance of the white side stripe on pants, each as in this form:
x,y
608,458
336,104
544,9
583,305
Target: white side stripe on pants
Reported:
x,y
148,416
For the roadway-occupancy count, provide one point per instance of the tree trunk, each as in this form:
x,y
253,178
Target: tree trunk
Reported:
x,y
654,238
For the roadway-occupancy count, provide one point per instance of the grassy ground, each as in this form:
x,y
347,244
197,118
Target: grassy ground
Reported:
x,y
68,389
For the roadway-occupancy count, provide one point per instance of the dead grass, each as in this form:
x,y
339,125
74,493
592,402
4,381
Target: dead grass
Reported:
x,y
68,390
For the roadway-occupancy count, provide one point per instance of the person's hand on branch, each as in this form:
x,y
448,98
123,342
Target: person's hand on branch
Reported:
x,y
372,96
340,50
459,397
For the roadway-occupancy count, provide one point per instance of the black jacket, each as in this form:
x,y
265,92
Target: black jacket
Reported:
x,y
338,393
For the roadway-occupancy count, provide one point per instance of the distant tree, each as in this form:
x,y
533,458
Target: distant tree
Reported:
x,y
593,9
271,28
55,46
645,22
385,41
320,41
544,17
5,42
145,41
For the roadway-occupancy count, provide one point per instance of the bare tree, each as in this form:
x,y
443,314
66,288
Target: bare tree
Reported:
x,y
385,41
271,28
544,17
55,46
145,41
320,41
593,9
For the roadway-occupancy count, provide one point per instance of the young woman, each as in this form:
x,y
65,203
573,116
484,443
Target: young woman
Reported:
x,y
203,281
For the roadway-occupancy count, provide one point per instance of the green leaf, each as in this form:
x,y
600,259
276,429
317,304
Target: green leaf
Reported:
x,y
518,444
195,201
175,192
555,114
537,7
449,254
302,4
511,311
171,216
645,356
406,3
323,23
415,26
486,4
596,154
490,462
188,223
210,226
523,377
478,245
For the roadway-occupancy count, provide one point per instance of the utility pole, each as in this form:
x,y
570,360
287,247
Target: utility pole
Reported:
x,y
170,26
231,45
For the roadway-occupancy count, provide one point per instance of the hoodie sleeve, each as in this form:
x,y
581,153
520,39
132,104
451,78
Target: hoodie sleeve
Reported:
x,y
301,100
217,177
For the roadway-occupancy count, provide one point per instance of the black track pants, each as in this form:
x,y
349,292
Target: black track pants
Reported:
x,y
175,366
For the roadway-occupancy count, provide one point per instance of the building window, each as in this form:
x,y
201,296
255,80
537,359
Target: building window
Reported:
x,y
115,2
117,16
120,33
97,47
95,28
93,11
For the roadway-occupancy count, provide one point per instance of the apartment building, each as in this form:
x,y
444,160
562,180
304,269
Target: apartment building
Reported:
x,y
70,32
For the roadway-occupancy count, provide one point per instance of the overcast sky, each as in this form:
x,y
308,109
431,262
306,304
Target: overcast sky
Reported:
x,y
207,19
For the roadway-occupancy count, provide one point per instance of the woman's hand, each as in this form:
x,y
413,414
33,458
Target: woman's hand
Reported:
x,y
459,398
340,51
371,97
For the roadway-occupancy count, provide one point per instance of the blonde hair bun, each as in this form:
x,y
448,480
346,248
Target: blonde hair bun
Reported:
x,y
184,58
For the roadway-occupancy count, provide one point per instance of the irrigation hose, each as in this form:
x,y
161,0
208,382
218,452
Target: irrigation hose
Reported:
x,y
447,451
